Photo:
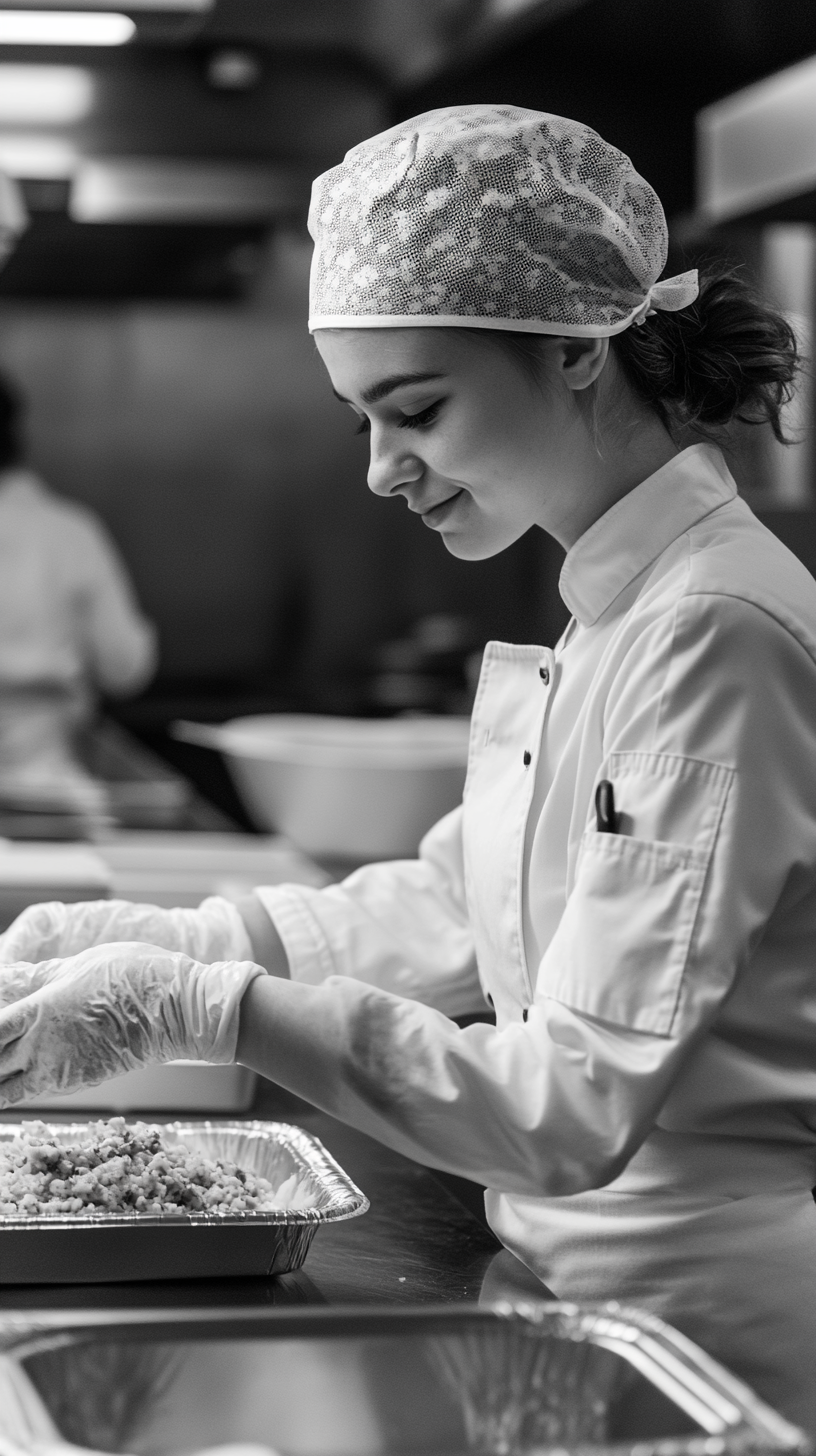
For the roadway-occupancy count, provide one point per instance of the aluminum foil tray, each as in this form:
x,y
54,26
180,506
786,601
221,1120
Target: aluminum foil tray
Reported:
x,y
102,1248
545,1378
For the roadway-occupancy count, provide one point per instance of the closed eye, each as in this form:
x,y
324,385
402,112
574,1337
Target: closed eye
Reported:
x,y
425,417
408,422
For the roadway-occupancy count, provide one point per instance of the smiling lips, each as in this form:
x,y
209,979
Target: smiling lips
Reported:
x,y
436,515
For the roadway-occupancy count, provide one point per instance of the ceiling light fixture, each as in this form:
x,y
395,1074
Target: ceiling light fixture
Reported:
x,y
44,95
133,7
234,68
64,28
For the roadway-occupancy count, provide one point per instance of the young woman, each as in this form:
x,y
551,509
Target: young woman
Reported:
x,y
631,880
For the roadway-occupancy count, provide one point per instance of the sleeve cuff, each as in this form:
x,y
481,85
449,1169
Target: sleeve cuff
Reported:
x,y
308,952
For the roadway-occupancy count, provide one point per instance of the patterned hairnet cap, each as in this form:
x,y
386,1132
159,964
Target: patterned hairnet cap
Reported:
x,y
490,217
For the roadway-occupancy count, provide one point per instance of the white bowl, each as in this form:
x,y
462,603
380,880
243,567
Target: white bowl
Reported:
x,y
350,788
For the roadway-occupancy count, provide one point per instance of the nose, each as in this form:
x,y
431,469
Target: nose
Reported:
x,y
391,465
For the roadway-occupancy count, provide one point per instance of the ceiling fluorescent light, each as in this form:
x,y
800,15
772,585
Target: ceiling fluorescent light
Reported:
x,y
43,158
134,7
189,7
64,28
44,95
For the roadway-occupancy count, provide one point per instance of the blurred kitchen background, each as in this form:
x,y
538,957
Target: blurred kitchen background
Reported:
x,y
155,311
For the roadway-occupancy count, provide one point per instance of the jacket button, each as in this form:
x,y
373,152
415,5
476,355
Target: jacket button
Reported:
x,y
544,674
528,758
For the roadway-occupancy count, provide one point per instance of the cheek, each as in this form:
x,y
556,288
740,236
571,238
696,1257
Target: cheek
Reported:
x,y
476,446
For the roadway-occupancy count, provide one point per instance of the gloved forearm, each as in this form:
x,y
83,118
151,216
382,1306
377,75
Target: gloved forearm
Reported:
x,y
214,932
114,1008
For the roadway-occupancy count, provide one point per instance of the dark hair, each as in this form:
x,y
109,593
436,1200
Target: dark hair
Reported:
x,y
12,408
727,356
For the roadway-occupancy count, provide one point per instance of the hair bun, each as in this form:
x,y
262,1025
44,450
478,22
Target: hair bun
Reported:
x,y
727,356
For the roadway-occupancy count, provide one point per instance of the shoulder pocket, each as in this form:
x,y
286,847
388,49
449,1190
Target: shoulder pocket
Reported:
x,y
623,944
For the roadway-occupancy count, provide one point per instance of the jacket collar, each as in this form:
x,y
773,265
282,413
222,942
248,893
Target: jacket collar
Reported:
x,y
639,527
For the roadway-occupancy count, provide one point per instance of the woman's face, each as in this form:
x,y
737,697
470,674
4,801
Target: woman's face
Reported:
x,y
478,449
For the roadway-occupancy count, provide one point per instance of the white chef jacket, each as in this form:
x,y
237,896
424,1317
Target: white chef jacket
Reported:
x,y
652,1074
68,615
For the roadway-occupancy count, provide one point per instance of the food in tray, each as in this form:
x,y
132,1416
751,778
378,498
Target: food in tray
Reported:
x,y
116,1167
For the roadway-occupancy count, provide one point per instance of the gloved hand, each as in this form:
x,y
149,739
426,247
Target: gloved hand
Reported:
x,y
22,980
213,932
112,1009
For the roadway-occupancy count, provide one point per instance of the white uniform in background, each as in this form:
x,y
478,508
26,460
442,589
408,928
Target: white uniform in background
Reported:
x,y
655,990
69,626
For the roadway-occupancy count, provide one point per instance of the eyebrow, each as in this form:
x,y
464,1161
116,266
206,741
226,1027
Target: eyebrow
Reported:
x,y
387,386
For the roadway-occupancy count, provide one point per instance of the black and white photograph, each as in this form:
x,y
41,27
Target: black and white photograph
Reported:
x,y
407,728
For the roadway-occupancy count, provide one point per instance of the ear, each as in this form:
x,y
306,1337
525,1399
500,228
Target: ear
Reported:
x,y
582,361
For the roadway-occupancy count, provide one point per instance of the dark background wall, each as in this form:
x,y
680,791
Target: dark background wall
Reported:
x,y
637,71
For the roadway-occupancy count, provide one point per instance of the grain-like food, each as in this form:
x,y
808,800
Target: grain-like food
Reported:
x,y
116,1167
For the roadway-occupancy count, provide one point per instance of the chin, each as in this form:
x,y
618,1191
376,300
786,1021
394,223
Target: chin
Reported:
x,y
474,547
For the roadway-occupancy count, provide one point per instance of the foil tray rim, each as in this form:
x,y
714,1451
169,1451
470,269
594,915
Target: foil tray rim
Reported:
x,y
345,1200
752,1428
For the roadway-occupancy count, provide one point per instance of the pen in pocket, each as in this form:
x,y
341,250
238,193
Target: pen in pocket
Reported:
x,y
606,818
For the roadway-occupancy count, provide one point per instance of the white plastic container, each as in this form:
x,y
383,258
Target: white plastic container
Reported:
x,y
346,788
174,1087
31,873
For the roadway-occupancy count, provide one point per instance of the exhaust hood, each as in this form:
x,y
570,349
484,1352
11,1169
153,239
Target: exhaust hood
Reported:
x,y
61,260
159,228
168,190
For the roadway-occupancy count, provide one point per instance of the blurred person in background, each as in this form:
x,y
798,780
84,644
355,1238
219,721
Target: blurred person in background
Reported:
x,y
70,630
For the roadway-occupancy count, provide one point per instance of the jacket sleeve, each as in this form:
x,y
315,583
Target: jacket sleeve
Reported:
x,y
710,731
400,925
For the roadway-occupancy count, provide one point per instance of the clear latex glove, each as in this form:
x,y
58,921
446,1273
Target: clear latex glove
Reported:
x,y
112,1009
22,980
213,932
